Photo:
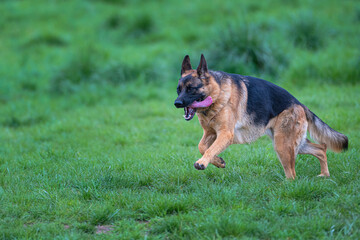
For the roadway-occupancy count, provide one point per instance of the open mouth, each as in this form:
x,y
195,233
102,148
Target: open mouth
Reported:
x,y
190,110
189,113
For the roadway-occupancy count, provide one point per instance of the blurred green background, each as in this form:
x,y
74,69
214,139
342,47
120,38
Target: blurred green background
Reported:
x,y
89,135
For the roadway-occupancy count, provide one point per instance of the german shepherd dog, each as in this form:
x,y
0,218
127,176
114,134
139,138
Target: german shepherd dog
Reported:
x,y
235,109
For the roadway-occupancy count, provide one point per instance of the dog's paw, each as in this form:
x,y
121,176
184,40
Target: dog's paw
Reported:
x,y
220,163
324,175
199,166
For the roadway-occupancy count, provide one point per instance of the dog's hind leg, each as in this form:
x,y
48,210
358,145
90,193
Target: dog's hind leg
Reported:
x,y
318,151
289,135
206,141
286,154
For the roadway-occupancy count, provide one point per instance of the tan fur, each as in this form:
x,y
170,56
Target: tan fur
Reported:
x,y
289,133
187,72
318,151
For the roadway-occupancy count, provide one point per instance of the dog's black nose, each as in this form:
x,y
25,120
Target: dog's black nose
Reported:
x,y
178,103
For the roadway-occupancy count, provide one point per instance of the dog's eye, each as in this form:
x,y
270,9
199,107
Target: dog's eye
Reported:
x,y
188,89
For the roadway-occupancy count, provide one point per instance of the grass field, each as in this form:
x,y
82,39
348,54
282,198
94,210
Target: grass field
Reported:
x,y
92,146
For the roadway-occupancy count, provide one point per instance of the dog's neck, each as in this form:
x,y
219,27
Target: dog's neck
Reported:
x,y
220,93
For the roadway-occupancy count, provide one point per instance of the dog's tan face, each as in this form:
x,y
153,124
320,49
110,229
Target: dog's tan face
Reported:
x,y
193,90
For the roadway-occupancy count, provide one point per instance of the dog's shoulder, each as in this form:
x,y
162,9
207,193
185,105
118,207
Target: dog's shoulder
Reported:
x,y
224,77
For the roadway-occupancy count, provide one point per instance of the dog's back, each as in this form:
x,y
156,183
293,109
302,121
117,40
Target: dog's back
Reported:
x,y
265,100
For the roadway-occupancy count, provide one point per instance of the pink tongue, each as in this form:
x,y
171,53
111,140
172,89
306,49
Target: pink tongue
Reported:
x,y
207,102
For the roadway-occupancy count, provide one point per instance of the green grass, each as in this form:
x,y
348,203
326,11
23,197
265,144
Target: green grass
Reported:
x,y
243,49
90,138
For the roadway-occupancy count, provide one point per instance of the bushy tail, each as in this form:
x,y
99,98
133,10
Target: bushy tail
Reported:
x,y
322,133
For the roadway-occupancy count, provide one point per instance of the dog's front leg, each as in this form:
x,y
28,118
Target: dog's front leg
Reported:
x,y
206,141
223,140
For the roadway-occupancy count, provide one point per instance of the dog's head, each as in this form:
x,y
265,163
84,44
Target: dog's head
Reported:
x,y
193,89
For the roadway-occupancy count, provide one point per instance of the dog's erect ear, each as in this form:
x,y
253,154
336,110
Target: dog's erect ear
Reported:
x,y
202,68
186,65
